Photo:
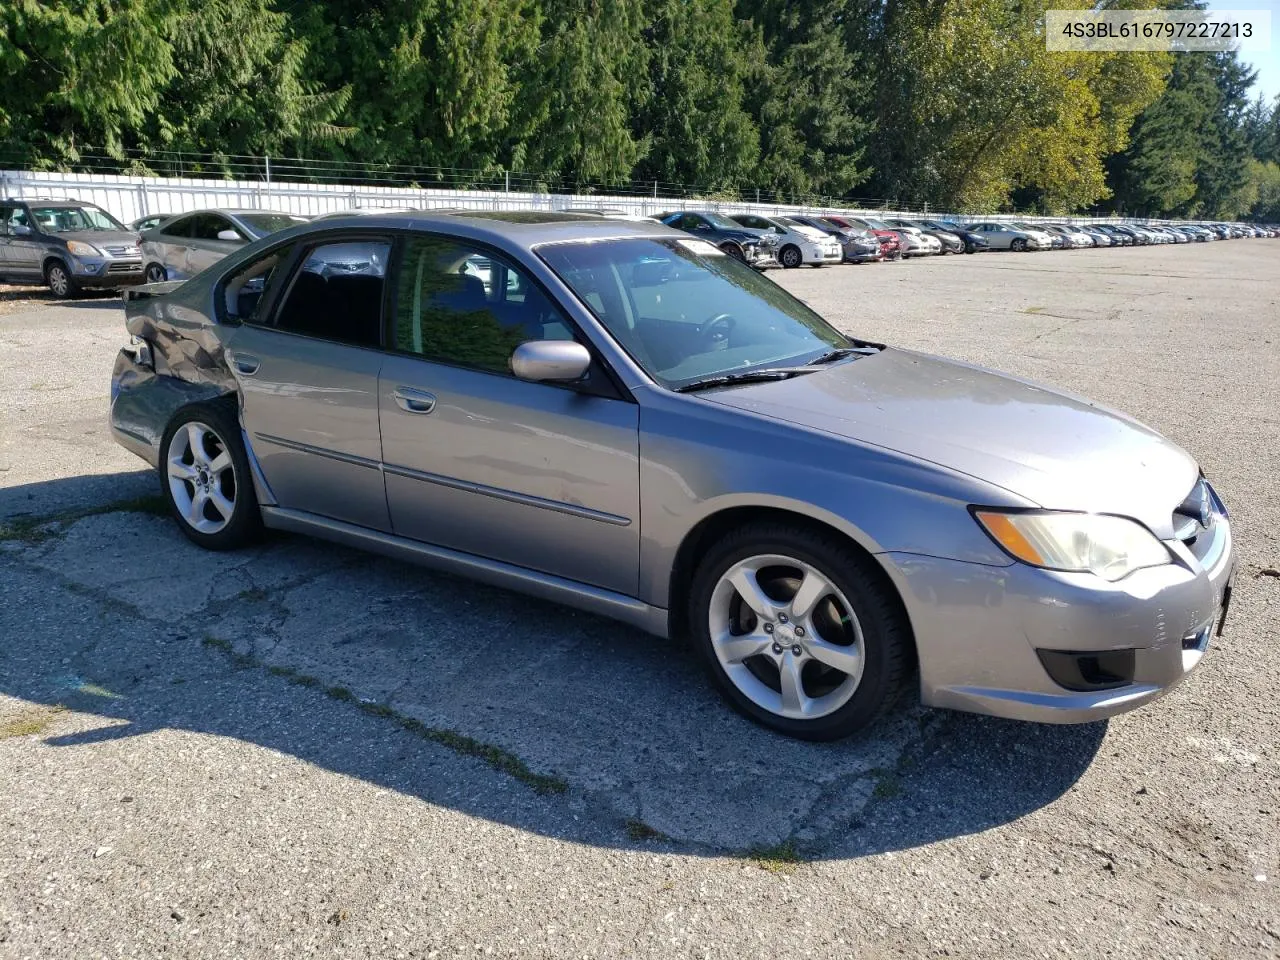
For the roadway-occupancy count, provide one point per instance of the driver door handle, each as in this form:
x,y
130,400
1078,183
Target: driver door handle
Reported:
x,y
413,400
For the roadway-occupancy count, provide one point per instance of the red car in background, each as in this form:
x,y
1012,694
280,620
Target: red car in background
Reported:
x,y
890,245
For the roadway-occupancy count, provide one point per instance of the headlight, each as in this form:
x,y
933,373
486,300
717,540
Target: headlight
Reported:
x,y
83,249
1110,547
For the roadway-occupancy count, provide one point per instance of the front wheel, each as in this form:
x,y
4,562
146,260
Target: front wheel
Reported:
x,y
156,273
60,281
735,251
204,472
1018,245
791,257
799,631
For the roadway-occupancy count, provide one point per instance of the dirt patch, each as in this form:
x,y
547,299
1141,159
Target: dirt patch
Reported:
x,y
17,299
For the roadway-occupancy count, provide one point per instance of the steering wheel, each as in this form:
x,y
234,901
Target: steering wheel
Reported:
x,y
717,329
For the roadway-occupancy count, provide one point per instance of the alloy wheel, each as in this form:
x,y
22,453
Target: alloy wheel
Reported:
x,y
786,636
156,274
59,282
202,477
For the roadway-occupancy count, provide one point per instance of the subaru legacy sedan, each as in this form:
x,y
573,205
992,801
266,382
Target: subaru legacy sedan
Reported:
x,y
622,417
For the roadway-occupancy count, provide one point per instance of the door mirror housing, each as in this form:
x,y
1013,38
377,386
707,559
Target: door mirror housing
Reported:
x,y
550,361
19,230
228,235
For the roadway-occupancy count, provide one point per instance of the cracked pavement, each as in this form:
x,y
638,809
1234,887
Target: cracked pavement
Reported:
x,y
240,768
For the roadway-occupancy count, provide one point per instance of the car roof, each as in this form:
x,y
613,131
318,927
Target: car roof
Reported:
x,y
521,228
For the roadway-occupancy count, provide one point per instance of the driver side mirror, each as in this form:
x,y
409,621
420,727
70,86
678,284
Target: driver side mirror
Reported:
x,y
231,235
19,230
551,361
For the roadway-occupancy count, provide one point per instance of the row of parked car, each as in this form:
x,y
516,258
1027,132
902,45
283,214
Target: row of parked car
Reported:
x,y
71,245
792,241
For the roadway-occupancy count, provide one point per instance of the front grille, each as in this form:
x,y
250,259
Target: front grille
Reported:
x,y
121,250
1196,516
125,266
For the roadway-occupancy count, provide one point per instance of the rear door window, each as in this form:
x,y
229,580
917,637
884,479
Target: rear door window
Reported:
x,y
207,226
179,227
337,292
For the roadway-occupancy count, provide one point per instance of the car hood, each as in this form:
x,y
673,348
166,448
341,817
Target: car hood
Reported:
x,y
811,233
102,238
1050,448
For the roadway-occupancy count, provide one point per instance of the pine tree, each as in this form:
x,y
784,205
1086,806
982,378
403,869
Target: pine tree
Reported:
x,y
694,115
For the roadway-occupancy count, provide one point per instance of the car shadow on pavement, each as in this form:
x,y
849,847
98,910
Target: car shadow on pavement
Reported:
x,y
504,707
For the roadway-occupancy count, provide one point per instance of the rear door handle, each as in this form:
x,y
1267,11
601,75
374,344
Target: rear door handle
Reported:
x,y
413,400
246,364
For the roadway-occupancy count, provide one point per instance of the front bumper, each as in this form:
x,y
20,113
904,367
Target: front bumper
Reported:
x,y
821,253
106,271
979,629
764,258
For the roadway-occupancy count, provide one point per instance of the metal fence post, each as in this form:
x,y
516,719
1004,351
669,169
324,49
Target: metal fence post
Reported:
x,y
267,160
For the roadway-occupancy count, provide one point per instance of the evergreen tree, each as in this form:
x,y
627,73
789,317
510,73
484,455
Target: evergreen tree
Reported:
x,y
76,74
589,77
813,97
694,115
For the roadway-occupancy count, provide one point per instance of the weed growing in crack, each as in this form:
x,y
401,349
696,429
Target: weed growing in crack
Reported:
x,y
888,786
638,830
780,858
499,759
34,530
29,722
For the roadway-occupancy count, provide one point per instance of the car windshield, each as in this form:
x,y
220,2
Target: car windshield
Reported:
x,y
262,224
73,219
724,223
686,311
874,224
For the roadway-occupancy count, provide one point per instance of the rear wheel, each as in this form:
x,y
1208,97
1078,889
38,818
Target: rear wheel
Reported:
x,y
799,631
204,472
60,281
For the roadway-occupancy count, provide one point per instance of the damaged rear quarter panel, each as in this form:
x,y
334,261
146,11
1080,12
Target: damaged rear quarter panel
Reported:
x,y
188,353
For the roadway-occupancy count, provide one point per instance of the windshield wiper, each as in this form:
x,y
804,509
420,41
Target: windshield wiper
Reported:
x,y
747,376
841,352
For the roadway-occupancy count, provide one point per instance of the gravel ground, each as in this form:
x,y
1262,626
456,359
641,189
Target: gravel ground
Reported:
x,y
301,750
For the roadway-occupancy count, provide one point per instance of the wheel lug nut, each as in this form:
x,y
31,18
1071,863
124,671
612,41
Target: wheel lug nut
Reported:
x,y
768,628
777,648
782,618
799,631
796,650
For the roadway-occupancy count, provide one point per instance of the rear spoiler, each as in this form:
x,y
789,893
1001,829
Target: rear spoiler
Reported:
x,y
146,291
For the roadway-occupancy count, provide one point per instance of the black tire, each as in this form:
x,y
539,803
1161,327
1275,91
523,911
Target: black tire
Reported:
x,y
60,280
1018,245
735,251
245,523
790,257
156,273
970,248
888,649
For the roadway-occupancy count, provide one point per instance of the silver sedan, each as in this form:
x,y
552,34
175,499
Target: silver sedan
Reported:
x,y
620,417
181,246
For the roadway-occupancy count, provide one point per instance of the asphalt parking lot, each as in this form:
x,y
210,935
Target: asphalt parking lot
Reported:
x,y
303,750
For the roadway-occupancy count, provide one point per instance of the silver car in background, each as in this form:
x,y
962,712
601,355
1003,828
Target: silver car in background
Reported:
x,y
180,247
1007,236
622,417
